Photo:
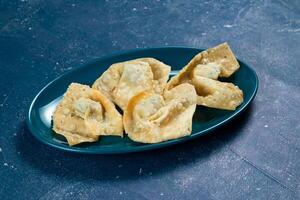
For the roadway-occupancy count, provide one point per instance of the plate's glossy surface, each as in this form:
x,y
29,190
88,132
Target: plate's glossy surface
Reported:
x,y
205,119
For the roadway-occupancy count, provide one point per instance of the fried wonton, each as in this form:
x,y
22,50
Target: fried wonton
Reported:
x,y
84,114
124,80
216,94
151,118
204,70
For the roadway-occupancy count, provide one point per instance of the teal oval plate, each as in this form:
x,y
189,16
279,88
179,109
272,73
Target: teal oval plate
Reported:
x,y
205,120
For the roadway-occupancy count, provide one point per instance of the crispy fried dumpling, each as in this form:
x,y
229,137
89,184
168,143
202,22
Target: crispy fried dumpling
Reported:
x,y
124,80
152,118
204,70
217,94
84,114
220,56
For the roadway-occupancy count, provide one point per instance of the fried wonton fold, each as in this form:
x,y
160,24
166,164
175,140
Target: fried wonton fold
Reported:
x,y
84,114
123,80
151,118
217,94
203,72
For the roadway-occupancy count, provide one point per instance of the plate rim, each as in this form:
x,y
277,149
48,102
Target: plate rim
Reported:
x,y
144,147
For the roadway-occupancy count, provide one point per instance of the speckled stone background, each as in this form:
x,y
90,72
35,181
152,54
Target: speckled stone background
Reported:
x,y
255,157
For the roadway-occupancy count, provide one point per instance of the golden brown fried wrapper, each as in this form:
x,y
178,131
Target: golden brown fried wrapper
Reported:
x,y
203,71
121,81
216,94
84,114
153,118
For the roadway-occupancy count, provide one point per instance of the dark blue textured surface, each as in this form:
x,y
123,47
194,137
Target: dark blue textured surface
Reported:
x,y
255,157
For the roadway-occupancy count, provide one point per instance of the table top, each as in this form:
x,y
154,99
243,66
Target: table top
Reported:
x,y
254,157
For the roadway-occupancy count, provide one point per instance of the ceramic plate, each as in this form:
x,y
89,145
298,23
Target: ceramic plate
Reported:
x,y
205,120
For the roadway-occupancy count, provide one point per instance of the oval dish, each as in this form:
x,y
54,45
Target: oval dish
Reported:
x,y
205,120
